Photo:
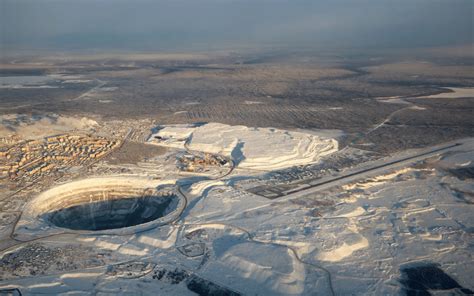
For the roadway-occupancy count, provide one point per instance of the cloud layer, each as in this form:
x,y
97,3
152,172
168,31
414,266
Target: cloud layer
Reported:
x,y
189,24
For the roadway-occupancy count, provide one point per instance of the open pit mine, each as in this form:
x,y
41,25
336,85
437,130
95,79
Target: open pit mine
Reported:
x,y
215,209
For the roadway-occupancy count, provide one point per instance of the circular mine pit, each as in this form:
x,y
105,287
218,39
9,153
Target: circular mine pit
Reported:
x,y
105,205
111,209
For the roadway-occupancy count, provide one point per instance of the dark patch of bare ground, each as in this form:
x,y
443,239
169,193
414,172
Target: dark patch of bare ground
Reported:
x,y
420,279
38,259
25,100
390,139
299,90
436,121
133,152
193,283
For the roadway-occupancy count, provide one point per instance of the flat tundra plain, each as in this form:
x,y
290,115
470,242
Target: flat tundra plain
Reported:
x,y
277,173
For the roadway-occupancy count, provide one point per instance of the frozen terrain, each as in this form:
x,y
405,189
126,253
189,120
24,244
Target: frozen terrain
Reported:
x,y
397,225
36,127
455,92
250,148
362,240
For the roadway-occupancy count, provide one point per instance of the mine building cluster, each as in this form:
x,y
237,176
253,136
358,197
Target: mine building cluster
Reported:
x,y
200,162
29,160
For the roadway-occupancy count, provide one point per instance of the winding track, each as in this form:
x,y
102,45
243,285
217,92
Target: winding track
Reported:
x,y
253,239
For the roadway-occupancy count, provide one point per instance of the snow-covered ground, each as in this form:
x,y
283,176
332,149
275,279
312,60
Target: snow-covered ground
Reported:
x,y
455,92
39,81
35,127
356,237
361,235
250,148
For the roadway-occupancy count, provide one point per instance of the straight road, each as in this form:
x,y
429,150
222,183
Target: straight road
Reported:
x,y
378,167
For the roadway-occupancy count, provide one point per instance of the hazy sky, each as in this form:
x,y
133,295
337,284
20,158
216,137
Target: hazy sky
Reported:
x,y
193,24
